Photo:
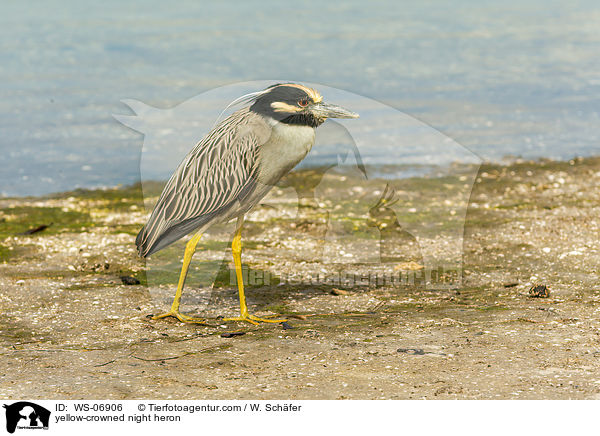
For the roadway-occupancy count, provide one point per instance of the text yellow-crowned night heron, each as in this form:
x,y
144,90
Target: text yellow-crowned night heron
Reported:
x,y
230,171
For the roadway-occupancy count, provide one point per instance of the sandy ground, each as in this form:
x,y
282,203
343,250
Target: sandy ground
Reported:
x,y
71,329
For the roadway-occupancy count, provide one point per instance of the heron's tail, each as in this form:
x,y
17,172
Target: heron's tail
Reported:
x,y
141,242
149,242
154,237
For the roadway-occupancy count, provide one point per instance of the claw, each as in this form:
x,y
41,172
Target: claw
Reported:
x,y
254,319
181,317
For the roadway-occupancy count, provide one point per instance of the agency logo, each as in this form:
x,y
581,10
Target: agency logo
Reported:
x,y
26,415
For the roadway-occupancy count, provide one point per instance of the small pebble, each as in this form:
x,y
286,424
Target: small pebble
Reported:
x,y
539,291
232,334
413,351
128,280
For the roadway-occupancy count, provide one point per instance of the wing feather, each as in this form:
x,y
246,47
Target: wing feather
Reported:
x,y
219,172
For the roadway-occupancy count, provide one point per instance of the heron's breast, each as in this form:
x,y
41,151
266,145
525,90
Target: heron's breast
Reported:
x,y
286,147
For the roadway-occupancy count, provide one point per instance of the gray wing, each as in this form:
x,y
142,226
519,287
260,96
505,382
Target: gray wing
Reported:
x,y
214,177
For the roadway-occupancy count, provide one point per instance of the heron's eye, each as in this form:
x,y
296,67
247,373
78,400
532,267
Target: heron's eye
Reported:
x,y
303,102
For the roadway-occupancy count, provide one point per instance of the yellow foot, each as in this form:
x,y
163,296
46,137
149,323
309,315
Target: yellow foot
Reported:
x,y
181,317
254,319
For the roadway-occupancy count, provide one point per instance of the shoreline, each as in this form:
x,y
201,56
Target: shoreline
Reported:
x,y
379,171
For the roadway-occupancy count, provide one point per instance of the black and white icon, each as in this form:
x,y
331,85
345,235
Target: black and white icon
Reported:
x,y
26,415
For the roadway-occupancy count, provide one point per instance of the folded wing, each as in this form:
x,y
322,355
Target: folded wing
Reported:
x,y
218,174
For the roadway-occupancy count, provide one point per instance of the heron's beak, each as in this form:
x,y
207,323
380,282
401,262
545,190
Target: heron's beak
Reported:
x,y
324,110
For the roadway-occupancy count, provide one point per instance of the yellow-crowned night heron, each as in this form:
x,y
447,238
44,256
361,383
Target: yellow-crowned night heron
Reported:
x,y
230,171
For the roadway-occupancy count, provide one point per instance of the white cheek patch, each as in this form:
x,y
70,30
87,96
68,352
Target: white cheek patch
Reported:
x,y
279,106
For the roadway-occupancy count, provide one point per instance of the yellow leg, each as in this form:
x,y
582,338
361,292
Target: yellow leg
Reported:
x,y
190,249
236,249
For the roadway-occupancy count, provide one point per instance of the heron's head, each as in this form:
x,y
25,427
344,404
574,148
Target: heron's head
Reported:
x,y
297,104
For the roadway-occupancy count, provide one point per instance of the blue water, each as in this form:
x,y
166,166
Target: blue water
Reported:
x,y
500,78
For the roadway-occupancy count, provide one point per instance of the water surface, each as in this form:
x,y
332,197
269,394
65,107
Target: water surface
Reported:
x,y
500,78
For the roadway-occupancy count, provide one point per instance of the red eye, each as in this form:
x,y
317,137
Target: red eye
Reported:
x,y
303,102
